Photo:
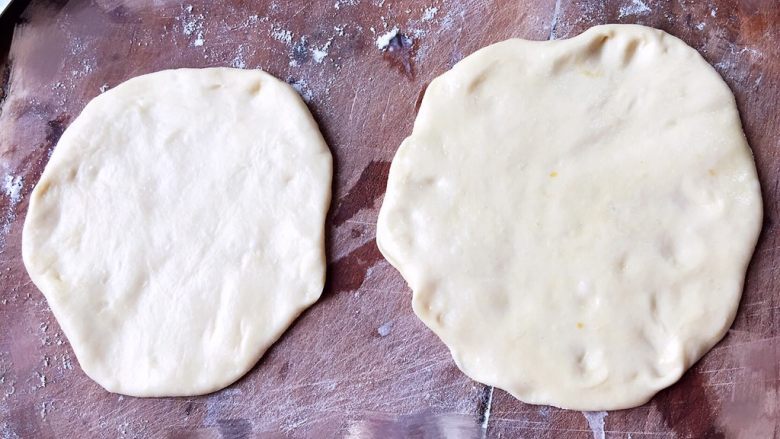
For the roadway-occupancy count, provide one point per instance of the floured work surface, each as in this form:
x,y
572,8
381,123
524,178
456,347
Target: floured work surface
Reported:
x,y
359,360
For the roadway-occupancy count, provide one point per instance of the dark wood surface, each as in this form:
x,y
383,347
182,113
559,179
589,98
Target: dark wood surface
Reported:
x,y
358,362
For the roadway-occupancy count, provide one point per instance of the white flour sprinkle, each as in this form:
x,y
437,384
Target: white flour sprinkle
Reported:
x,y
282,35
319,54
252,21
41,380
732,63
384,330
596,423
637,7
384,40
429,14
13,188
303,89
46,407
8,432
87,65
192,25
67,364
239,62
340,3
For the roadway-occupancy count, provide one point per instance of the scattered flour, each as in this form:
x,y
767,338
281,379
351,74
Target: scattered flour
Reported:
x,y
488,408
252,21
429,13
238,61
319,54
41,380
419,28
87,66
46,407
596,423
13,188
303,89
732,64
10,388
67,364
383,40
192,25
453,15
7,431
637,7
280,34
384,330
340,3
6,380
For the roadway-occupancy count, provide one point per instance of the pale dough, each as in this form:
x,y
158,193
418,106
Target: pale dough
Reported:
x,y
575,217
177,230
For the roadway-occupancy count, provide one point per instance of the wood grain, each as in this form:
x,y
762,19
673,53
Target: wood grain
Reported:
x,y
358,363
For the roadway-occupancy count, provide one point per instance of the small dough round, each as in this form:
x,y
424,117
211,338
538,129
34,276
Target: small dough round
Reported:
x,y
178,228
575,217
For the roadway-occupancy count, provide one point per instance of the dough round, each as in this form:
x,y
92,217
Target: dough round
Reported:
x,y
575,217
177,230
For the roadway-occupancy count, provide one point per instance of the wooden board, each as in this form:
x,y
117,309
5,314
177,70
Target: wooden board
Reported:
x,y
359,361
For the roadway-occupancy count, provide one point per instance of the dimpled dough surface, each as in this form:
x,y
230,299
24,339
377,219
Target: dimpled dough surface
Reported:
x,y
177,230
575,217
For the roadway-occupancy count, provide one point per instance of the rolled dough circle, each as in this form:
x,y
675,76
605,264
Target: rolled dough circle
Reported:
x,y
177,230
575,217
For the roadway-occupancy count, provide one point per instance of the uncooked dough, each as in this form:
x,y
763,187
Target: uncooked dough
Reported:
x,y
575,217
177,230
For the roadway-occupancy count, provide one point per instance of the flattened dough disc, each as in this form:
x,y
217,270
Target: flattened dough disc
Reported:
x,y
178,228
575,217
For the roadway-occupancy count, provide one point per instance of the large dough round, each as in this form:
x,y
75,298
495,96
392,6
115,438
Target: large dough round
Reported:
x,y
177,230
575,217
